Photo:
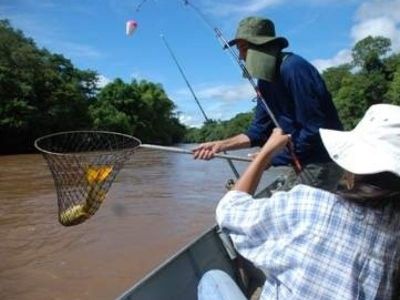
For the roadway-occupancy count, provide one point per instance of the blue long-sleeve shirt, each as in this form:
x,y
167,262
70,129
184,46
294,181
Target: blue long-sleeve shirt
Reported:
x,y
301,104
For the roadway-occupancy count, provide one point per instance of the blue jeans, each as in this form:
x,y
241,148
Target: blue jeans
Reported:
x,y
217,285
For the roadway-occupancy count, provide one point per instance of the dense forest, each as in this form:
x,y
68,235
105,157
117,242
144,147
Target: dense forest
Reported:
x,y
372,77
42,92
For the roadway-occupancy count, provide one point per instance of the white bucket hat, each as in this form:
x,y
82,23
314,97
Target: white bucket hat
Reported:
x,y
372,147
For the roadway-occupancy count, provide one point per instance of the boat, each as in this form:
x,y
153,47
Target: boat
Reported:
x,y
177,278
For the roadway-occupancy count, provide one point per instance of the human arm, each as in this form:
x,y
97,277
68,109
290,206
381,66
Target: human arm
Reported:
x,y
260,127
258,132
250,222
250,179
207,150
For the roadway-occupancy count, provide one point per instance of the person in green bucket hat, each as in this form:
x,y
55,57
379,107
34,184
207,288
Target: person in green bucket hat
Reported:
x,y
298,98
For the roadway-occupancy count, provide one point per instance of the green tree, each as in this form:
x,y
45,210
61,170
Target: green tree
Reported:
x,y
393,94
139,108
334,76
351,100
368,52
371,82
216,130
40,92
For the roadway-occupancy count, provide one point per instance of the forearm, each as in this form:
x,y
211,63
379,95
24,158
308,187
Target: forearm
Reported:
x,y
250,179
239,141
306,144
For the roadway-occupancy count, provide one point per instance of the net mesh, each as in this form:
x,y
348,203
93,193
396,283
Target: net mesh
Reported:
x,y
84,164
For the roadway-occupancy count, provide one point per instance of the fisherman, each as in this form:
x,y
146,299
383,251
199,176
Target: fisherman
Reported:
x,y
314,244
298,98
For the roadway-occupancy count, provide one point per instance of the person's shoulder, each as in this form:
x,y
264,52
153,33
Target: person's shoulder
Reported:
x,y
311,197
293,63
309,191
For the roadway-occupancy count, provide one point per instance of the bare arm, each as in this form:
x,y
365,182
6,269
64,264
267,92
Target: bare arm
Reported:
x,y
248,182
207,150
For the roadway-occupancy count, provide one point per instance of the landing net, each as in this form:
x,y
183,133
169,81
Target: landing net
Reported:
x,y
84,165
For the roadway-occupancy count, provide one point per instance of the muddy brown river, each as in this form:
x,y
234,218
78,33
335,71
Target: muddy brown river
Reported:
x,y
159,202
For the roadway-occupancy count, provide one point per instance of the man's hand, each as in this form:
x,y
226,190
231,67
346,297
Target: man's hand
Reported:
x,y
206,151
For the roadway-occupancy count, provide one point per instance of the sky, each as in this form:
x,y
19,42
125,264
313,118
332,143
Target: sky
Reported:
x,y
92,35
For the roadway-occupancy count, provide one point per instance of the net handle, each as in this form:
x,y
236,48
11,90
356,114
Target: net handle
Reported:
x,y
186,151
139,145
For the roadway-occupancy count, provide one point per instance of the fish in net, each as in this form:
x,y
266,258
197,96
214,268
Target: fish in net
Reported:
x,y
84,165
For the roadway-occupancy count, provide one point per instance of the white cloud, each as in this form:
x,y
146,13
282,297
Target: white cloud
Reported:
x,y
224,93
378,18
378,8
190,121
102,81
220,102
373,18
342,57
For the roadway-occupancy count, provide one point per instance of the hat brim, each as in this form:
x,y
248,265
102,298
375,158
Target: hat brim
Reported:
x,y
259,40
354,154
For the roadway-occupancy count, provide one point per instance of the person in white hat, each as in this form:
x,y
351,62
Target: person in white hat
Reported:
x,y
315,244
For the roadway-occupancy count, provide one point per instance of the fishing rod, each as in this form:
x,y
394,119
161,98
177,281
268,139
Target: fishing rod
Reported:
x,y
232,166
184,77
139,6
225,45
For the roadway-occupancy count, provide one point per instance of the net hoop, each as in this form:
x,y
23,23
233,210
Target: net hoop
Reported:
x,y
84,165
49,136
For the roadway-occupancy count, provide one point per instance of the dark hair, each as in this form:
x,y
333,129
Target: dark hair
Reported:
x,y
375,190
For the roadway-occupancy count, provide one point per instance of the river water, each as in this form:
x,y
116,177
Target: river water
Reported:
x,y
159,202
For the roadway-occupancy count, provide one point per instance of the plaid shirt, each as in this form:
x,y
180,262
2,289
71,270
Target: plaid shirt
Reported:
x,y
312,244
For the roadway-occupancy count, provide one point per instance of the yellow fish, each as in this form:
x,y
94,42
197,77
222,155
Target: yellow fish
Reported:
x,y
73,215
79,213
97,174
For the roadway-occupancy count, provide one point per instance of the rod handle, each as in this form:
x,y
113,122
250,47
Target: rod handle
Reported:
x,y
187,151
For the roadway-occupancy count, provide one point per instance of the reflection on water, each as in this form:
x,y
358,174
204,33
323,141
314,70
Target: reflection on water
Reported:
x,y
159,202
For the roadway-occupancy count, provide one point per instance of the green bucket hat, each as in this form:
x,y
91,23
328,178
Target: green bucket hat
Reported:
x,y
257,31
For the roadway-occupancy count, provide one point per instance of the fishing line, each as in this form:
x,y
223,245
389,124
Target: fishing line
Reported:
x,y
184,76
224,43
139,6
194,95
160,21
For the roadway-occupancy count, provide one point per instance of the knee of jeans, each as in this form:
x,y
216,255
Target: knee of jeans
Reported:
x,y
214,277
216,284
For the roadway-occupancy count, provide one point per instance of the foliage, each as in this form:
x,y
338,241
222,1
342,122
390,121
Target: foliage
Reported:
x,y
42,93
216,130
368,52
373,79
139,108
334,77
393,92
